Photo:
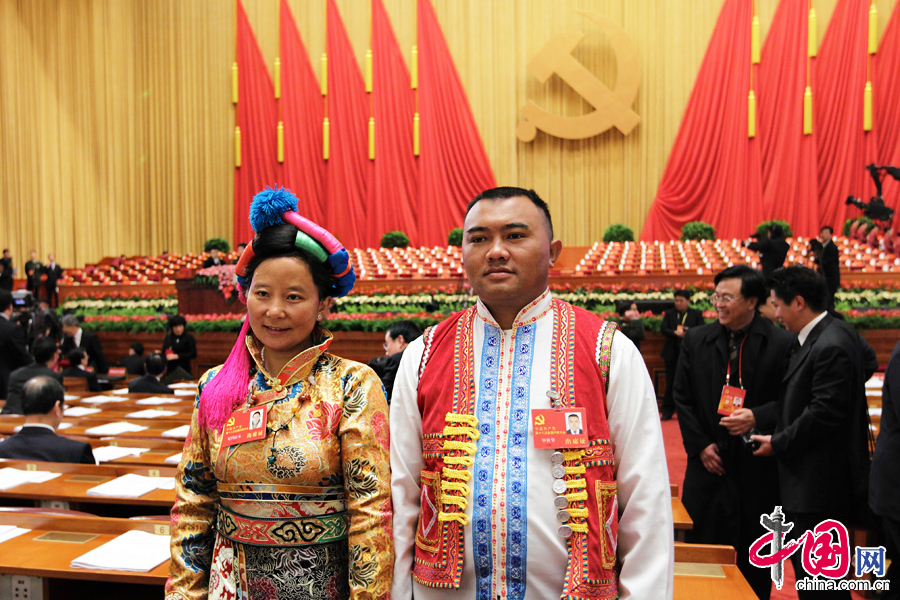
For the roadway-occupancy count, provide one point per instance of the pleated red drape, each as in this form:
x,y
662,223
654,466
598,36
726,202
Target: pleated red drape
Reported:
x,y
713,172
302,111
349,169
453,166
844,149
887,105
257,116
788,157
394,186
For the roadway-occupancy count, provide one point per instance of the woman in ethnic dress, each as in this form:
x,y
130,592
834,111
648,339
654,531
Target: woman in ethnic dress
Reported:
x,y
305,512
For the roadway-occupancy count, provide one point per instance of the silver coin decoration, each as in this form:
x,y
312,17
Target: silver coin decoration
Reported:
x,y
562,516
557,458
561,502
559,486
565,531
558,471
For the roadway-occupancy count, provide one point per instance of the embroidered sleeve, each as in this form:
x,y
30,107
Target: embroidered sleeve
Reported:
x,y
365,454
193,516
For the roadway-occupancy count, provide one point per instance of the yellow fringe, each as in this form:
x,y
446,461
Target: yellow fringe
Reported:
x,y
471,432
578,513
455,486
456,474
467,461
576,496
576,470
460,517
573,454
460,501
575,484
467,447
578,527
469,420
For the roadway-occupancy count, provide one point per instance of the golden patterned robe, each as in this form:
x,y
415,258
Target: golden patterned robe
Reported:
x,y
331,459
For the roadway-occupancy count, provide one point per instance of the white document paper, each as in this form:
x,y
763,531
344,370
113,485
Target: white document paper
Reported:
x,y
10,478
121,391
8,532
875,411
183,385
115,428
156,400
131,551
151,413
102,400
80,411
192,392
174,459
127,486
875,382
64,425
178,432
70,397
108,453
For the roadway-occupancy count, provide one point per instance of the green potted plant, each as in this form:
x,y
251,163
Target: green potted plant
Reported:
x,y
618,233
697,230
394,239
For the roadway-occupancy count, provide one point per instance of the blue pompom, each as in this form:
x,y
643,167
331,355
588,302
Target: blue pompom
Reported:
x,y
268,206
338,262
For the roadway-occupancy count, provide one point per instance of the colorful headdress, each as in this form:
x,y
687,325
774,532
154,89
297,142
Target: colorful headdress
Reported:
x,y
270,207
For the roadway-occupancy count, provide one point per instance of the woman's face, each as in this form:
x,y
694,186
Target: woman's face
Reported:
x,y
177,330
283,305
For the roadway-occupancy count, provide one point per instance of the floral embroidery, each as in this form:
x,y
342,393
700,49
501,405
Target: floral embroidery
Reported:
x,y
363,565
361,479
288,461
324,422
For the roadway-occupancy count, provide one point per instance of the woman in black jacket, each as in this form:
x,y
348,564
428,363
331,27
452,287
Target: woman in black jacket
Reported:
x,y
180,349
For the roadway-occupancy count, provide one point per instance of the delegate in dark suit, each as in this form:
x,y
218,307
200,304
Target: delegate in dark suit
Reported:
x,y
35,442
90,343
772,253
33,271
93,384
831,269
672,318
13,351
133,364
6,272
148,384
54,273
726,508
17,380
884,482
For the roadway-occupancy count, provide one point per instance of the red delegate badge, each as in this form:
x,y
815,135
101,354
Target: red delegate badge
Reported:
x,y
731,400
245,426
563,428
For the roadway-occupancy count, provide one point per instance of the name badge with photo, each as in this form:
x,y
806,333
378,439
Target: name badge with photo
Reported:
x,y
731,400
562,428
245,426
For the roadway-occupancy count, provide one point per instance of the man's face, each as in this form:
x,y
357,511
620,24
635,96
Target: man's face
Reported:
x,y
33,255
788,313
681,303
825,235
393,345
507,251
6,254
51,258
733,310
70,330
574,422
214,253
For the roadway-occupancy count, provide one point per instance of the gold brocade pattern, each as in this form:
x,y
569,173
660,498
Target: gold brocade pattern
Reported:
x,y
336,436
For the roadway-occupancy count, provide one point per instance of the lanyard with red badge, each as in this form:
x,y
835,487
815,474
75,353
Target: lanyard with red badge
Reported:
x,y
733,397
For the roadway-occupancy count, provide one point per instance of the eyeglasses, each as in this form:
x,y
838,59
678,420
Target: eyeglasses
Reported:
x,y
716,299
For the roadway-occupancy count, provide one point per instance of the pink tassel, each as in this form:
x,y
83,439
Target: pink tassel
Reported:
x,y
225,392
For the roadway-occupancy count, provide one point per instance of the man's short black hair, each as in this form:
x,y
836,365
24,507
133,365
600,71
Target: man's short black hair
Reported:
x,y
506,192
138,348
797,280
753,285
43,349
75,356
6,300
776,231
408,329
683,293
40,393
828,227
155,364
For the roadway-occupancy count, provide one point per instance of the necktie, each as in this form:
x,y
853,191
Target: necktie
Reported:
x,y
734,343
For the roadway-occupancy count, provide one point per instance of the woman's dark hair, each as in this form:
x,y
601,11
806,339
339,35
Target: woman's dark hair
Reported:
x,y
176,320
278,241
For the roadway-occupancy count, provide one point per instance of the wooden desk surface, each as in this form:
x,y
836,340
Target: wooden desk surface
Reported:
x,y
731,587
680,517
76,480
155,428
23,555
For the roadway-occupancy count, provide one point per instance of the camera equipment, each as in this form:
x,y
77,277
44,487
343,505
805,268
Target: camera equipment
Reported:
x,y
749,444
875,209
22,299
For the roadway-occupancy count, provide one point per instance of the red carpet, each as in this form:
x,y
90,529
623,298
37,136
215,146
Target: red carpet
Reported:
x,y
677,461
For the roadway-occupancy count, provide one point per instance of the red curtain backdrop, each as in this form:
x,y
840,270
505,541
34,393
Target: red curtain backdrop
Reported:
x,y
257,116
454,167
349,169
788,157
713,172
394,187
302,111
844,149
887,105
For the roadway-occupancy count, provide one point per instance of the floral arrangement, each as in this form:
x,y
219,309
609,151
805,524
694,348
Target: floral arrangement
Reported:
x,y
120,303
157,323
221,278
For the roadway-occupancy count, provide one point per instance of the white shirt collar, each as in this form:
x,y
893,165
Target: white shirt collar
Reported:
x,y
531,312
804,333
38,425
77,337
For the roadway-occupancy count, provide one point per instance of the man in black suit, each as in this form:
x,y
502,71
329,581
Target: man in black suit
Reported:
x,y
821,439
43,400
45,321
675,324
772,250
13,350
830,263
884,495
76,337
726,488
46,357
76,368
150,383
6,271
54,273
33,271
213,260
134,362
398,336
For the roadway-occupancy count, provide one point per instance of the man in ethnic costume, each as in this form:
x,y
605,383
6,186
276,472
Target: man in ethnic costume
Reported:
x,y
479,511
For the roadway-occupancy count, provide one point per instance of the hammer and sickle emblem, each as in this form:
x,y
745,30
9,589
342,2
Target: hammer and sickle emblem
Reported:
x,y
231,422
612,107
539,420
